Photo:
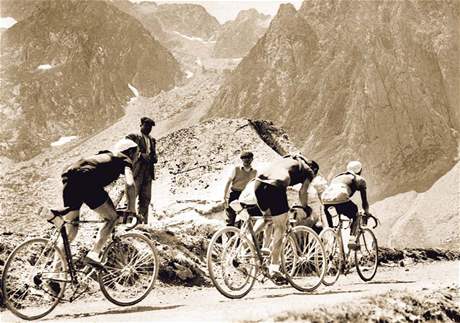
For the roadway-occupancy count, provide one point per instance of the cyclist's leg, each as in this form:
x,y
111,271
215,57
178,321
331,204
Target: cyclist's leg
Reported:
x,y
268,234
72,198
279,229
350,210
101,203
328,215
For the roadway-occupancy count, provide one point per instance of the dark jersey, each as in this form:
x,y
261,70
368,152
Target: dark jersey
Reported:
x,y
101,169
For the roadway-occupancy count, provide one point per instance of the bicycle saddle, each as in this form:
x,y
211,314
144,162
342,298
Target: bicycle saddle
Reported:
x,y
60,212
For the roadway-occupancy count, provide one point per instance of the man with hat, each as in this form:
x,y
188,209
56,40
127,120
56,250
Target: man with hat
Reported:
x,y
144,165
239,178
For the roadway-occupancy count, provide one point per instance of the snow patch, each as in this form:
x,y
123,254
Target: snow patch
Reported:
x,y
188,74
63,141
134,90
195,38
7,22
45,67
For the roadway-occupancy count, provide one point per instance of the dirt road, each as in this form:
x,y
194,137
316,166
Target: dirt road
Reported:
x,y
262,303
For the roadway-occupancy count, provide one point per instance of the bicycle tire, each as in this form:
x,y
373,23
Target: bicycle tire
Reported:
x,y
364,244
17,261
128,261
219,252
331,243
289,253
315,271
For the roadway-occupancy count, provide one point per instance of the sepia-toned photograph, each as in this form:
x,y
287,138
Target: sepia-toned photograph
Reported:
x,y
230,161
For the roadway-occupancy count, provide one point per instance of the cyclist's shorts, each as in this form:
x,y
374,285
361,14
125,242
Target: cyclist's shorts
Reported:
x,y
77,191
349,209
271,197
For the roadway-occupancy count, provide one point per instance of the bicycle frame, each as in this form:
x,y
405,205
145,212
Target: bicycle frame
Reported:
x,y
67,251
247,224
338,229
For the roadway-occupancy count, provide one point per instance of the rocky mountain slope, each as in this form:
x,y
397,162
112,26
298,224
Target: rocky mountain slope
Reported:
x,y
67,70
144,13
422,220
364,80
238,36
19,9
188,19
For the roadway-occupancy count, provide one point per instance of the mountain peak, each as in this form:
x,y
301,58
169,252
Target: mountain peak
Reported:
x,y
250,13
286,10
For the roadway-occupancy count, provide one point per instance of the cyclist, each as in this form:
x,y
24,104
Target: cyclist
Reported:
x,y
271,193
239,178
339,193
84,182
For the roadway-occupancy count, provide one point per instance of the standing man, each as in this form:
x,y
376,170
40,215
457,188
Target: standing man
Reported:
x,y
240,177
144,166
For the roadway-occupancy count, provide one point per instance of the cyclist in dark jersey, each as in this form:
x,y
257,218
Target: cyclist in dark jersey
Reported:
x,y
271,192
84,182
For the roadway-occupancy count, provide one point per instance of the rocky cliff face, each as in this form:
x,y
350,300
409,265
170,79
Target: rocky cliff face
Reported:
x,y
144,13
238,36
66,70
187,19
361,80
19,9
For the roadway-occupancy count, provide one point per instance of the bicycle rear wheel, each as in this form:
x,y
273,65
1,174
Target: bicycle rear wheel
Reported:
x,y
27,277
308,266
232,263
331,243
366,257
131,268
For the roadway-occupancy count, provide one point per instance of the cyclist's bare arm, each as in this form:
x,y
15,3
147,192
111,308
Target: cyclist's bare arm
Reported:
x,y
130,190
364,201
303,194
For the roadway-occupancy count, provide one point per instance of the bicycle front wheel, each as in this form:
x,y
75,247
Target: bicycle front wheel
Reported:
x,y
367,254
306,267
131,268
27,286
232,263
331,243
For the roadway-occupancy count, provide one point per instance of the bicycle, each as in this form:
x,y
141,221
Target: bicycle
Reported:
x,y
365,254
127,275
235,260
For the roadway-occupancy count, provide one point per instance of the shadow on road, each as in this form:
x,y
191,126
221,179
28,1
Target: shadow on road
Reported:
x,y
330,292
391,281
126,310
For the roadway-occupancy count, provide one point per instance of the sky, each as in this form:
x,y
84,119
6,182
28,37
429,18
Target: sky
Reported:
x,y
225,10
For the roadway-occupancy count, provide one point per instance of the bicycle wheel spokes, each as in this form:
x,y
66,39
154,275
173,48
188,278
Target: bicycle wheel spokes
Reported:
x,y
366,256
131,268
232,262
290,256
331,244
309,265
27,287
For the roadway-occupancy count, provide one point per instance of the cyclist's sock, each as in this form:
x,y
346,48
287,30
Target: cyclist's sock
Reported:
x,y
274,268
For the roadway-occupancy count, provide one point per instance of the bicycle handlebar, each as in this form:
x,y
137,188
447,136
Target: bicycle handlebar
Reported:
x,y
127,215
376,221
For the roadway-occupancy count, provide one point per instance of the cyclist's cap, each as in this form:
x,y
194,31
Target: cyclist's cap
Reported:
x,y
247,155
147,120
123,145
